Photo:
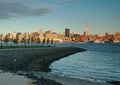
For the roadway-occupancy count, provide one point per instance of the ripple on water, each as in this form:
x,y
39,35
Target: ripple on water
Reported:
x,y
101,61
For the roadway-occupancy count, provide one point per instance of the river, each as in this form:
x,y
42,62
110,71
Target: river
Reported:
x,y
100,61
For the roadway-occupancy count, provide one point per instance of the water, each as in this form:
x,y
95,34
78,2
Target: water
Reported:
x,y
100,61
12,79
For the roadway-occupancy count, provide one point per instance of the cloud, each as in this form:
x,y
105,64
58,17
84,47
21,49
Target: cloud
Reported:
x,y
11,10
113,17
116,17
15,0
66,0
69,0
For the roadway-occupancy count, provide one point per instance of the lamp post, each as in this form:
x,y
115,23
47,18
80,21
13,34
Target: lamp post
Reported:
x,y
28,38
11,39
25,42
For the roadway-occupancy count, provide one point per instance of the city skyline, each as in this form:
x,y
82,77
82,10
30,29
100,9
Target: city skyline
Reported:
x,y
30,15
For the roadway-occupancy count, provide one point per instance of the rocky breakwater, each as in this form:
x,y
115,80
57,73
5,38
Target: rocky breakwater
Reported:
x,y
33,59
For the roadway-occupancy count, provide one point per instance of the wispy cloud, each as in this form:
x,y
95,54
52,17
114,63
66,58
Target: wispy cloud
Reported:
x,y
15,0
114,17
69,0
66,0
15,9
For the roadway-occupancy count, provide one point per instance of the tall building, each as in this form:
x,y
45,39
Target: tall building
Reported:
x,y
86,30
14,35
67,32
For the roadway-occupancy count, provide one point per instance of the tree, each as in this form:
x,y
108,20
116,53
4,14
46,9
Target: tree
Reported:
x,y
32,40
48,40
15,41
43,41
52,41
23,40
39,40
6,39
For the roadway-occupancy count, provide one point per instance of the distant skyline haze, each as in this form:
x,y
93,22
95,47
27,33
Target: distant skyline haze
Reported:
x,y
31,15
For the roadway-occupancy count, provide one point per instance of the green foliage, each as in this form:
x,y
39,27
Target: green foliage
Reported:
x,y
48,40
15,41
52,41
39,40
43,41
6,40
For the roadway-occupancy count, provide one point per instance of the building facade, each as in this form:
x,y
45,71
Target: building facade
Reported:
x,y
67,32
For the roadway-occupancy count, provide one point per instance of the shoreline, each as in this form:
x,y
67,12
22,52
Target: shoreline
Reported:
x,y
33,59
46,78
39,59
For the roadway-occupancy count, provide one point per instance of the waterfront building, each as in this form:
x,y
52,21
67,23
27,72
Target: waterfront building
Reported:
x,y
1,37
14,35
57,37
67,32
49,34
116,41
75,37
19,37
41,35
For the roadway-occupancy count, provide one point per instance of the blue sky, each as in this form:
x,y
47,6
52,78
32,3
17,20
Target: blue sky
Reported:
x,y
31,15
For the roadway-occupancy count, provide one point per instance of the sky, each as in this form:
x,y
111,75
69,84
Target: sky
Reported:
x,y
31,15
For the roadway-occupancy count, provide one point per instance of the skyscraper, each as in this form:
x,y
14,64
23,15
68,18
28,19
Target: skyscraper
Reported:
x,y
86,30
67,32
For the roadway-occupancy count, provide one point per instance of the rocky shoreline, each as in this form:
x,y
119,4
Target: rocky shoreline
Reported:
x,y
33,59
34,62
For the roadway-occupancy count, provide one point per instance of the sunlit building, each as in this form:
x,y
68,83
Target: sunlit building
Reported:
x,y
41,36
14,35
86,33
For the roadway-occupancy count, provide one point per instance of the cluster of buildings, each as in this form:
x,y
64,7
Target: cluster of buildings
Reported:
x,y
91,38
32,37
53,37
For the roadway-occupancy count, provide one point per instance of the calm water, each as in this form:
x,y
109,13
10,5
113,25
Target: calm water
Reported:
x,y
100,61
